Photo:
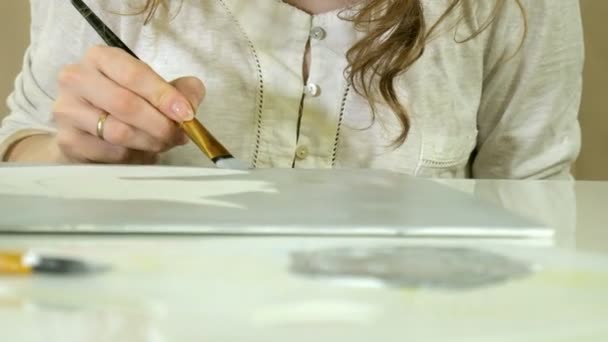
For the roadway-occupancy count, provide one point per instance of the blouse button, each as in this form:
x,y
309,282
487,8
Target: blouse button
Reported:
x,y
312,89
318,33
302,152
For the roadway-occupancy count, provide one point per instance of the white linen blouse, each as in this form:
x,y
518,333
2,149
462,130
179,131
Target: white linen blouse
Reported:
x,y
473,113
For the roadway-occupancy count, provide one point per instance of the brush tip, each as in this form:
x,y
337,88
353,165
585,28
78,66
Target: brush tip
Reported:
x,y
231,164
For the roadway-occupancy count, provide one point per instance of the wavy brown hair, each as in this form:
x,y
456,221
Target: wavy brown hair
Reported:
x,y
396,34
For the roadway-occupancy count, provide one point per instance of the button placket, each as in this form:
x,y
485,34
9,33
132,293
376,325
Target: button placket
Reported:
x,y
312,89
302,152
318,33
315,140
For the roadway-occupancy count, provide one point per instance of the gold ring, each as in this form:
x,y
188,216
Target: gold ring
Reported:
x,y
101,125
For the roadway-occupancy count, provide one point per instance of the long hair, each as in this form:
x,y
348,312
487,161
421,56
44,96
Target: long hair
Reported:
x,y
395,36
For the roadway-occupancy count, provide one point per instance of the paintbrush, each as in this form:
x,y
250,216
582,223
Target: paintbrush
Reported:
x,y
16,263
206,142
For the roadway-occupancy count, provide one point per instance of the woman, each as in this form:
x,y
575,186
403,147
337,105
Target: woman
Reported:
x,y
439,88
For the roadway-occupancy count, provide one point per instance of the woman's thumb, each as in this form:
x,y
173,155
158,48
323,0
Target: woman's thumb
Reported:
x,y
192,88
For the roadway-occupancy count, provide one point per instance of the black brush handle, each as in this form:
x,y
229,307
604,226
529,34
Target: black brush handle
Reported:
x,y
102,29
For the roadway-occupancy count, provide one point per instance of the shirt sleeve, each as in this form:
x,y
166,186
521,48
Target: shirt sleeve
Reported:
x,y
29,105
528,124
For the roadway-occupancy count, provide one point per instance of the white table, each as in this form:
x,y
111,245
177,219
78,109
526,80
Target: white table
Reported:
x,y
231,288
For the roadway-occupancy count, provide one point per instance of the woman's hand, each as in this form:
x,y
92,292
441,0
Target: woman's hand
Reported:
x,y
141,110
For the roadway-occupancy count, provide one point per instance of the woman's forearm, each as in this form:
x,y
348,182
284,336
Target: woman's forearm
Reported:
x,y
40,148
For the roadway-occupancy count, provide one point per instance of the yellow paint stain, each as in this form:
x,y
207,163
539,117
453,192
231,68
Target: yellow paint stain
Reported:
x,y
573,279
10,302
146,264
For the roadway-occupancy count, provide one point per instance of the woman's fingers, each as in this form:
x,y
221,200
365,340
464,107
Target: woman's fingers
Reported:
x,y
85,148
102,93
84,117
143,110
137,77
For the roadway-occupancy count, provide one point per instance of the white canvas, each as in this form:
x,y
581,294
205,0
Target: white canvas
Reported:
x,y
135,199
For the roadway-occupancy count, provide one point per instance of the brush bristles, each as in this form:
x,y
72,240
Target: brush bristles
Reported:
x,y
231,164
